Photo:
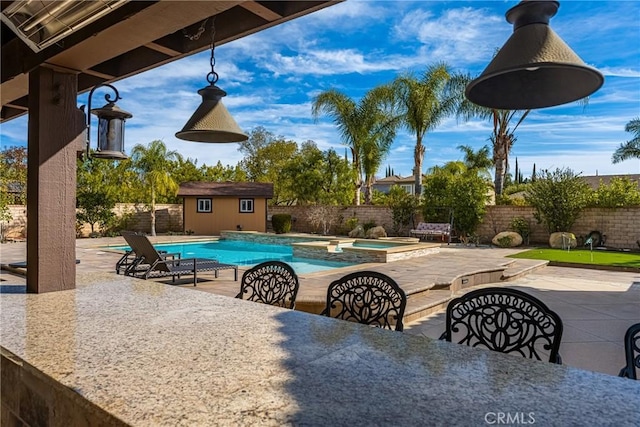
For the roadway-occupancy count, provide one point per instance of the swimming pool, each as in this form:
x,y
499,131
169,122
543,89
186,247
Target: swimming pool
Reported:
x,y
248,253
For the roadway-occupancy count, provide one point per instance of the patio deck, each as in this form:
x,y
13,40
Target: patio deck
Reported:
x,y
596,306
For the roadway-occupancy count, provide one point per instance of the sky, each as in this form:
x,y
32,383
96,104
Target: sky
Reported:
x,y
273,76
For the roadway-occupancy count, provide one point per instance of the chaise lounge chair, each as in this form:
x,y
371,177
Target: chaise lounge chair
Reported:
x,y
150,263
133,259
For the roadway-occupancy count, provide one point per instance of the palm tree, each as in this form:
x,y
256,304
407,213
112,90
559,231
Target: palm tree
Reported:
x,y
153,163
502,136
629,149
367,128
478,161
425,102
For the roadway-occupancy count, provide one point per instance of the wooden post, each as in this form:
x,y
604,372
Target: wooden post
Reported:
x,y
56,134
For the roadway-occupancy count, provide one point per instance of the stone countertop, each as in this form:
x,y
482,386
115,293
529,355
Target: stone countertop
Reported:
x,y
152,354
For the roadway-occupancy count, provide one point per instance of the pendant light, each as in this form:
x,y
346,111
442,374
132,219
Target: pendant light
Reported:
x,y
211,122
535,68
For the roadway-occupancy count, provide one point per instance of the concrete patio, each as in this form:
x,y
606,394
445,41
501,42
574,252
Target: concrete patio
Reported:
x,y
596,306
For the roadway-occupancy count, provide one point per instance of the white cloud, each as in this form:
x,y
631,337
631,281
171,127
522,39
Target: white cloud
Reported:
x,y
462,35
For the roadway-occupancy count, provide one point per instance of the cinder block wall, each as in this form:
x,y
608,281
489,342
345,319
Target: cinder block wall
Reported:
x,y
620,225
337,215
168,218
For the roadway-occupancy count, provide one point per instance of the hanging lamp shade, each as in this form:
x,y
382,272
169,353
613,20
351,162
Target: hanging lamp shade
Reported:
x,y
211,122
535,68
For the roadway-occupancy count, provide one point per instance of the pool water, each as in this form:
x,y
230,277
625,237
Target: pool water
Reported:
x,y
247,253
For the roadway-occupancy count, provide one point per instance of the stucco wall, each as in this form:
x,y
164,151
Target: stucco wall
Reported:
x,y
225,215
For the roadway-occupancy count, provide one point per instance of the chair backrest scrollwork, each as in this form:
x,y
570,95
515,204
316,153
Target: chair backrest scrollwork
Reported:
x,y
367,297
271,282
505,320
632,353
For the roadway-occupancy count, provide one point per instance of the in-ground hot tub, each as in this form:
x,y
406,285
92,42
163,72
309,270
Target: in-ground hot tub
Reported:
x,y
363,250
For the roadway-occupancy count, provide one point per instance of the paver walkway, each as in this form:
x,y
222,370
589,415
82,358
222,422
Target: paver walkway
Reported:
x,y
596,306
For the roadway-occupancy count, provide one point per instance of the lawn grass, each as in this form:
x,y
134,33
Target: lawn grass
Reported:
x,y
581,256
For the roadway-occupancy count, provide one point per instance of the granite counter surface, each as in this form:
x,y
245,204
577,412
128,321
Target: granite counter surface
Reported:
x,y
151,354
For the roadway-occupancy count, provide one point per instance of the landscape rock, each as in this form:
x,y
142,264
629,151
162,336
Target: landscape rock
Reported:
x,y
376,232
500,239
557,241
357,233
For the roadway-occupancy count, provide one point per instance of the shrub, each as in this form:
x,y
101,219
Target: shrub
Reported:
x,y
558,198
621,192
281,223
505,241
352,223
465,195
368,225
521,226
403,207
321,217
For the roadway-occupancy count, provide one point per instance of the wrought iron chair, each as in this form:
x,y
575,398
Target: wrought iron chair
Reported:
x,y
504,320
271,282
367,297
632,353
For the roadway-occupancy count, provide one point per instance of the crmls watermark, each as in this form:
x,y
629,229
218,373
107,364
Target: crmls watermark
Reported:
x,y
510,418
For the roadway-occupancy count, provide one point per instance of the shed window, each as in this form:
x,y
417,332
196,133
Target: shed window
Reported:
x,y
246,205
204,205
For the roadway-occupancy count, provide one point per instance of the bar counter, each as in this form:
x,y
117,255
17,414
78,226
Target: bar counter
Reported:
x,y
122,351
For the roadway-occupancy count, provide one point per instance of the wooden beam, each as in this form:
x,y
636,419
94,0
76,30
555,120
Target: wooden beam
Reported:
x,y
260,10
98,74
163,49
17,107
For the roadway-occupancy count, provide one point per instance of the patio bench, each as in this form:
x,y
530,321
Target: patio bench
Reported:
x,y
425,229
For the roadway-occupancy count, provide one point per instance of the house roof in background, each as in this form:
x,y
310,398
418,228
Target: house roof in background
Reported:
x,y
229,189
395,179
594,180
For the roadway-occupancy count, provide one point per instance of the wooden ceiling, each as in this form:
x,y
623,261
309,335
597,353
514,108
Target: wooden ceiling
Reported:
x,y
136,37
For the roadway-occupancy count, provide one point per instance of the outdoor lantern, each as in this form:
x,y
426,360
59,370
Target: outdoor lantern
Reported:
x,y
111,120
535,68
211,121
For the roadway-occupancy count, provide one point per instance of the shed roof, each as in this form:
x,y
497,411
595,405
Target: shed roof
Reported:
x,y
243,189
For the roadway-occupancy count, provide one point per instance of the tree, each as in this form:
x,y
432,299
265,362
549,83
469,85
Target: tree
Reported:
x,y
153,163
478,161
558,197
533,173
502,138
462,193
95,207
403,208
316,177
13,175
621,192
252,163
220,173
631,148
426,101
367,128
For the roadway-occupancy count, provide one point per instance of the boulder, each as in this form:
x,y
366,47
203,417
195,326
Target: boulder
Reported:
x,y
561,239
507,239
376,232
357,233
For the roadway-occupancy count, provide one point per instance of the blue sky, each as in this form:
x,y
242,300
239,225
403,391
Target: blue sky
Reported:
x,y
273,76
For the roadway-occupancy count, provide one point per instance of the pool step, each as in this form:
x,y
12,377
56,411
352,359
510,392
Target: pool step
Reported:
x,y
425,299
